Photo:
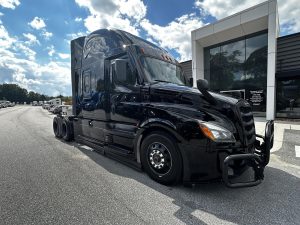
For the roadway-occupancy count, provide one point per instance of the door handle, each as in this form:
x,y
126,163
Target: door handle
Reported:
x,y
90,123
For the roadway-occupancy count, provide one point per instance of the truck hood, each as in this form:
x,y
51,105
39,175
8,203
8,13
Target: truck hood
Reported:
x,y
191,103
176,90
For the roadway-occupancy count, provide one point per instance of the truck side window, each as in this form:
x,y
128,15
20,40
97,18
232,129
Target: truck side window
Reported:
x,y
130,78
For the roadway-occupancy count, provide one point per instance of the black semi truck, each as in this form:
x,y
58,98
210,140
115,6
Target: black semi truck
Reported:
x,y
132,102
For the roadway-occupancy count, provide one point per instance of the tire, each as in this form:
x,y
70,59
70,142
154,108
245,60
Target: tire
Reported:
x,y
161,158
57,127
67,129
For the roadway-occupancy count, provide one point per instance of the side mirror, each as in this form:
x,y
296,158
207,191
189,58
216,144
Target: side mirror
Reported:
x,y
202,85
191,82
121,70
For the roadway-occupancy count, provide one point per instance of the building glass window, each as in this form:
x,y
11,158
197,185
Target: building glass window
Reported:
x,y
232,59
214,67
288,98
239,68
255,78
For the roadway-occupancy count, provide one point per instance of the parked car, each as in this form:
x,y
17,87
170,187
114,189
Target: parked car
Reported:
x,y
46,106
6,103
51,108
57,109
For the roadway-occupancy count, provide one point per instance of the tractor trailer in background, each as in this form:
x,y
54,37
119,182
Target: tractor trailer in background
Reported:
x,y
132,102
55,101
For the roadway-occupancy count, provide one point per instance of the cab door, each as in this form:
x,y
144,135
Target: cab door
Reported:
x,y
125,106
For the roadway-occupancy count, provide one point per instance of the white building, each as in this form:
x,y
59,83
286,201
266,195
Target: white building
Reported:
x,y
238,54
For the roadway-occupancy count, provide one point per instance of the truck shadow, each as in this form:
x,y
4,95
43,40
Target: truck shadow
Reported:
x,y
272,202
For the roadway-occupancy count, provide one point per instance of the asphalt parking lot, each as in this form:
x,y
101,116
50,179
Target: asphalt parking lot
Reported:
x,y
46,181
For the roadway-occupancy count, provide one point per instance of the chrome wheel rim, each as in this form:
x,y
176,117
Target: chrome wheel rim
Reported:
x,y
159,158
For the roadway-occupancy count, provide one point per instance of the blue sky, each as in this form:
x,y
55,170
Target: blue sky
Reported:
x,y
35,34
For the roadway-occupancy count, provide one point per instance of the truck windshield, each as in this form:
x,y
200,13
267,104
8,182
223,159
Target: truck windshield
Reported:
x,y
160,71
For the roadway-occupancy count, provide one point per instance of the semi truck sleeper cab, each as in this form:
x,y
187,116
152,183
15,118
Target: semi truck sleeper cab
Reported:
x,y
131,101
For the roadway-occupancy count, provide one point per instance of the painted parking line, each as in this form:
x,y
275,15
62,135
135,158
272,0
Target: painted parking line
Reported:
x,y
297,151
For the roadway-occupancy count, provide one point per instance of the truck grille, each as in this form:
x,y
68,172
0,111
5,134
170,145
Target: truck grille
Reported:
x,y
247,126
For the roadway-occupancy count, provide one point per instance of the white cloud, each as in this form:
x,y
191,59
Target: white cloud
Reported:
x,y
31,39
5,52
76,35
78,19
29,53
51,50
37,23
289,10
51,78
99,6
119,14
130,16
8,43
5,40
95,22
64,55
133,8
176,35
47,35
12,4
221,9
70,37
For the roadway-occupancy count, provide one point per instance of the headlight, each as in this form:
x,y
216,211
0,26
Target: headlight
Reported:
x,y
216,133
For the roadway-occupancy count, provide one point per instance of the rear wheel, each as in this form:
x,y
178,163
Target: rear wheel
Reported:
x,y
67,129
161,158
57,127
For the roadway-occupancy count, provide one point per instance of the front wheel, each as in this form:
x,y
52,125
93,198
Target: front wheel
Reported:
x,y
161,158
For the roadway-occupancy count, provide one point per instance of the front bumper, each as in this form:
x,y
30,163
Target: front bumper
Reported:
x,y
257,160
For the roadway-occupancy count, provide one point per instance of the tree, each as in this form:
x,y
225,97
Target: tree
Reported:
x,y
14,93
